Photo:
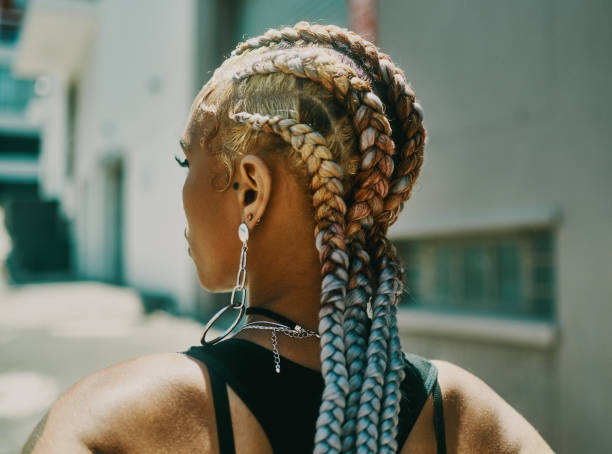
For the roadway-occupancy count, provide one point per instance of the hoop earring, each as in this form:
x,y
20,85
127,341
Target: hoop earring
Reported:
x,y
243,234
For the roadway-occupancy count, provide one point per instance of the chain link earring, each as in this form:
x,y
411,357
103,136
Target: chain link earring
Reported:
x,y
243,235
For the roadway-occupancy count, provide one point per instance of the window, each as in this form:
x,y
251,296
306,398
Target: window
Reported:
x,y
506,274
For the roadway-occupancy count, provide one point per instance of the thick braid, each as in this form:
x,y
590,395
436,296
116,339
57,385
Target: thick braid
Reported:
x,y
372,391
330,211
409,161
395,376
391,274
409,113
410,156
356,333
370,188
310,33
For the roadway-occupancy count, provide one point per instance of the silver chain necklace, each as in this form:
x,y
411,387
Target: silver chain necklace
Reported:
x,y
297,333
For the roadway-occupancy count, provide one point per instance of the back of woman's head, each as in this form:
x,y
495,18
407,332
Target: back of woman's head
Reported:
x,y
346,119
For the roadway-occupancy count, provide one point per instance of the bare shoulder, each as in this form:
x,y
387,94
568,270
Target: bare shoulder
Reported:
x,y
149,400
478,419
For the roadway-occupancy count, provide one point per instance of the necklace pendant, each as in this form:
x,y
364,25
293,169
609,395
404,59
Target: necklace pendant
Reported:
x,y
278,369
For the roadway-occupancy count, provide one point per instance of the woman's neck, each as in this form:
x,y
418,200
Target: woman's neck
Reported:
x,y
300,305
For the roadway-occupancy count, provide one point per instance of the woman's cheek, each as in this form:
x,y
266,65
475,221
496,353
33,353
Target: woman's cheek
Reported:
x,y
189,199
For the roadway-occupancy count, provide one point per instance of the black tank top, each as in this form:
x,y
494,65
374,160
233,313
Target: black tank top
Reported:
x,y
286,404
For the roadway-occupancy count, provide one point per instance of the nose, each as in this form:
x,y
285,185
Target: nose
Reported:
x,y
185,234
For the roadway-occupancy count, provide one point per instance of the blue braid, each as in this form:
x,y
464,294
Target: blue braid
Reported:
x,y
356,332
372,389
392,396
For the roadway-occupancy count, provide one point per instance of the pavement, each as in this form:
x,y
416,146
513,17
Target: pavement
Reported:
x,y
54,334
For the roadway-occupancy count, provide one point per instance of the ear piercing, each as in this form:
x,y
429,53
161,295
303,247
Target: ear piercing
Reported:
x,y
250,218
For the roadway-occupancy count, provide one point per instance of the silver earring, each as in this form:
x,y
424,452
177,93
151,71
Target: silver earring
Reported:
x,y
243,234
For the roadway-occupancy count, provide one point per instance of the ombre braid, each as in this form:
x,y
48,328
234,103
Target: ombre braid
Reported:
x,y
370,188
330,213
362,361
410,159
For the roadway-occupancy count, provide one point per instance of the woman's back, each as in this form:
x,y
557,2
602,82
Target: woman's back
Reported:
x,y
163,403
286,405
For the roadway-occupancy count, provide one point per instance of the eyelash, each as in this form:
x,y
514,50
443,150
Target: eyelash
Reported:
x,y
183,163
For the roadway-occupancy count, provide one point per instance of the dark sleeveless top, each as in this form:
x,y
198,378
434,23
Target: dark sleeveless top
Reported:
x,y
286,404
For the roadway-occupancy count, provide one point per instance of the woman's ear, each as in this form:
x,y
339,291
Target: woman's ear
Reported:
x,y
254,187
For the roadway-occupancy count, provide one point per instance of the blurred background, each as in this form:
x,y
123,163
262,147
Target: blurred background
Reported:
x,y
506,240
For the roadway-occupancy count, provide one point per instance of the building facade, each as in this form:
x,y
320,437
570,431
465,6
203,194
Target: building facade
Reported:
x,y
508,234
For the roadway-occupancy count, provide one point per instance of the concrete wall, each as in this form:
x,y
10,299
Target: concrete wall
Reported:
x,y
135,95
135,83
516,98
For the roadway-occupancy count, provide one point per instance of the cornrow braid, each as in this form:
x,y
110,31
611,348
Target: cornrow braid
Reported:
x,y
369,190
307,33
410,115
409,161
330,211
379,65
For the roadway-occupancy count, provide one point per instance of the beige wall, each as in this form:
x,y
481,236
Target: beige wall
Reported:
x,y
135,81
517,106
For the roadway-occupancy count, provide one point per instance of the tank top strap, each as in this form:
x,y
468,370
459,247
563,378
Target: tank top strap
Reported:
x,y
426,370
223,416
422,377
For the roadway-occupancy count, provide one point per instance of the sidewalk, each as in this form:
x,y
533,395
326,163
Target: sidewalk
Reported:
x,y
52,335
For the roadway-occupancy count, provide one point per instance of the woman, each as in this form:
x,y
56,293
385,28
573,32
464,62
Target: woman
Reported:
x,y
302,149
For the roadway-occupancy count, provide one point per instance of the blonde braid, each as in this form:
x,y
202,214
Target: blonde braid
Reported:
x,y
330,212
377,198
409,113
370,188
409,160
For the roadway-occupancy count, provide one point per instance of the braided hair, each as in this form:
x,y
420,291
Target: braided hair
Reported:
x,y
352,131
